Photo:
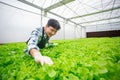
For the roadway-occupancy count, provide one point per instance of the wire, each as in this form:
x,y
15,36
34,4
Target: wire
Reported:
x,y
111,12
71,10
108,4
112,8
100,20
19,8
102,7
88,5
102,24
43,3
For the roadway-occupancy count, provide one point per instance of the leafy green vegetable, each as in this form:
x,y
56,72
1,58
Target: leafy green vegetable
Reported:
x,y
78,59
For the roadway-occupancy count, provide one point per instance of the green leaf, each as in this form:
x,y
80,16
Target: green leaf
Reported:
x,y
103,70
52,73
73,77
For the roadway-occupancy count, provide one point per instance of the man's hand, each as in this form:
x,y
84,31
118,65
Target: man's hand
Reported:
x,y
42,59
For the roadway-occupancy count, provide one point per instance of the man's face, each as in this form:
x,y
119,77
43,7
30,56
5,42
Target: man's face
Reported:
x,y
50,31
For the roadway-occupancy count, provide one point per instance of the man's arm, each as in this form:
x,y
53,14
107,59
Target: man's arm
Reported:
x,y
39,58
33,49
32,42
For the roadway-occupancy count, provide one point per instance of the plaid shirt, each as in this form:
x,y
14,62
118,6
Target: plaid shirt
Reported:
x,y
36,36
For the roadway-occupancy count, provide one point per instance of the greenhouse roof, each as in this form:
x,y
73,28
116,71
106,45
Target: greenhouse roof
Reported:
x,y
81,12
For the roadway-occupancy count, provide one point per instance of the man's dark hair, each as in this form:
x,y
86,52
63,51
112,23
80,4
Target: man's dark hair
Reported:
x,y
54,23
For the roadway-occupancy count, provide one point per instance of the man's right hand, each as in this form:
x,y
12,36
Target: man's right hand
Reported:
x,y
42,59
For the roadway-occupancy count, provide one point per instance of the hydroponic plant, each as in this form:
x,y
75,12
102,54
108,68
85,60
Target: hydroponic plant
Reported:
x,y
80,59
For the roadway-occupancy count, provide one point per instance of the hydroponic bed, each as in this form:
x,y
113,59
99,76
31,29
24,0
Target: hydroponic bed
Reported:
x,y
80,59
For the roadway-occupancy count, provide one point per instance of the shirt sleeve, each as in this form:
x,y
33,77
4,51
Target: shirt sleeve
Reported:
x,y
32,43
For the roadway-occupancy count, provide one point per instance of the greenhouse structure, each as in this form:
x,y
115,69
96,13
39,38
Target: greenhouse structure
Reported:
x,y
86,47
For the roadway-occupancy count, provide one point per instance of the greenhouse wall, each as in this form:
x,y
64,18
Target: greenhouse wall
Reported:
x,y
16,24
113,33
104,30
103,27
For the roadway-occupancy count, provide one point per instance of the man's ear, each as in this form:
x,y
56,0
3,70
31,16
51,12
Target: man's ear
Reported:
x,y
46,25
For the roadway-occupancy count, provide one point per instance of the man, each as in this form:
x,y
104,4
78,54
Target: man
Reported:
x,y
39,38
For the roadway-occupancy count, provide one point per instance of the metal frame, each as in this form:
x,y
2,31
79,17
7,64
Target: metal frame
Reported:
x,y
48,10
63,2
